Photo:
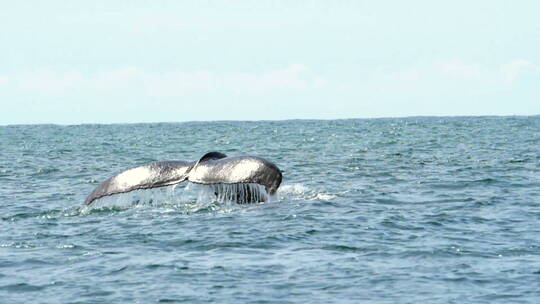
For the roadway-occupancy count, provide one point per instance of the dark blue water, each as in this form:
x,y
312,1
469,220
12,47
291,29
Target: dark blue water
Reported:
x,y
439,210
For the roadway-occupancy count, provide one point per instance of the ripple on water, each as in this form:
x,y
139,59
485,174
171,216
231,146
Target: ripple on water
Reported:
x,y
443,208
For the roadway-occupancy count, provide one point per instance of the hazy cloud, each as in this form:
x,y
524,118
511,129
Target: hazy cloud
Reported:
x,y
512,70
179,83
48,81
456,70
459,68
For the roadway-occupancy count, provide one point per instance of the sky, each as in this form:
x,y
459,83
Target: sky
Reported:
x,y
73,62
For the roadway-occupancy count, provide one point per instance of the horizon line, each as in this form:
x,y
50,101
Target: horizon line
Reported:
x,y
268,120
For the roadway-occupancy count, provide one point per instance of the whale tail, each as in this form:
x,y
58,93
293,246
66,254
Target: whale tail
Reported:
x,y
242,179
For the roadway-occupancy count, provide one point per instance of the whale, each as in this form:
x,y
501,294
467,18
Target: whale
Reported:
x,y
241,178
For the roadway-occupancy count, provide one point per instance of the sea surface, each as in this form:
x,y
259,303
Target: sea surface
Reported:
x,y
409,210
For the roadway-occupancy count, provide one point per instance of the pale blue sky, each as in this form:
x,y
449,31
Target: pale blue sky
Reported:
x,y
150,61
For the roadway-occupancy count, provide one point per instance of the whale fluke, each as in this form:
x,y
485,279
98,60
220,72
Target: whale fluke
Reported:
x,y
152,175
211,169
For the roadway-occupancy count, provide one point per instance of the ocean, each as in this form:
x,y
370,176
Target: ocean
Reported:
x,y
398,210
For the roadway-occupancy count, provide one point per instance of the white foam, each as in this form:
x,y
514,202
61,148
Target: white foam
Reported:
x,y
296,189
302,192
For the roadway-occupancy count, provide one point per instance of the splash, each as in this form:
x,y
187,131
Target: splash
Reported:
x,y
187,198
302,192
242,193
